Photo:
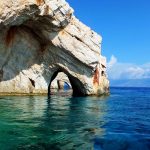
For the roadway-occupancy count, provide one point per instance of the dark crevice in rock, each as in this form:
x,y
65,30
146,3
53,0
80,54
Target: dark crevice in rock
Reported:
x,y
96,77
102,73
10,35
103,66
78,39
32,82
1,74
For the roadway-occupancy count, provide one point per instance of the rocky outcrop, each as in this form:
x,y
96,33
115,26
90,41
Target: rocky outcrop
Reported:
x,y
39,39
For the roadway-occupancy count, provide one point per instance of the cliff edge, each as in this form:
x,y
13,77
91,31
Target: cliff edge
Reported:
x,y
39,39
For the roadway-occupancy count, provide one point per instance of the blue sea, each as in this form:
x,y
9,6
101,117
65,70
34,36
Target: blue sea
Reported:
x,y
120,121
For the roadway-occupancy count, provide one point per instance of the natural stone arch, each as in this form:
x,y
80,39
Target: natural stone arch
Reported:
x,y
40,39
77,86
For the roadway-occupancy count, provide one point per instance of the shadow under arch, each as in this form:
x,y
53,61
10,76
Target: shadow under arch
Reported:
x,y
77,86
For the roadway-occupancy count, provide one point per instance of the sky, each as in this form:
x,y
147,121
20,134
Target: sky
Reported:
x,y
125,29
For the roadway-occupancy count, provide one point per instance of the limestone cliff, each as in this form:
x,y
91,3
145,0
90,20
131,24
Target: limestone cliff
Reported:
x,y
39,39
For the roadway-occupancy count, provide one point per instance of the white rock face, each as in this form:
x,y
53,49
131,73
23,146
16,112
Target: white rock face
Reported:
x,y
39,39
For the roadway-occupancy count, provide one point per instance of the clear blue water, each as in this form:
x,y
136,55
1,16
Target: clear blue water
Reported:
x,y
120,121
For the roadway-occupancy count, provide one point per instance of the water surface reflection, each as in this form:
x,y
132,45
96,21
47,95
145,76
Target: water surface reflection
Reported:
x,y
57,123
120,121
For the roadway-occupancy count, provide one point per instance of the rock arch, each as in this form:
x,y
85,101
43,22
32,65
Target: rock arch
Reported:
x,y
42,38
77,85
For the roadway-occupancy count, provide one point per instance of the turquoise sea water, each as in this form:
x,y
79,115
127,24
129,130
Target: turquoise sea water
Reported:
x,y
120,121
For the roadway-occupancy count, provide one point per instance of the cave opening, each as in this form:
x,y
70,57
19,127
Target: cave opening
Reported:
x,y
63,83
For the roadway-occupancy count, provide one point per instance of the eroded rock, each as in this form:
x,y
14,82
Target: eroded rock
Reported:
x,y
60,81
39,39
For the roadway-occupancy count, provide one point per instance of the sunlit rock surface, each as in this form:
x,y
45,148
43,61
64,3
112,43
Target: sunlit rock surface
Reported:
x,y
39,39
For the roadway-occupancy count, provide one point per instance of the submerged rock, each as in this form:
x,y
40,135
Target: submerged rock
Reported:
x,y
39,39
